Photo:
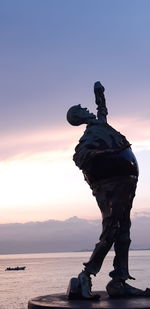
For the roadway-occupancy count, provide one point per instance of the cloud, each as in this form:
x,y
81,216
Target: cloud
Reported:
x,y
141,213
35,142
135,128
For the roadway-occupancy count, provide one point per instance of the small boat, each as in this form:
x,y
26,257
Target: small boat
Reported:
x,y
16,268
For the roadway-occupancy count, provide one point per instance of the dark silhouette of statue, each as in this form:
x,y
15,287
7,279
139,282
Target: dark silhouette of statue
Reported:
x,y
110,168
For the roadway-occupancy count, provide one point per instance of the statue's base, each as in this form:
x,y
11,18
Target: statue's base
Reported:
x,y
56,301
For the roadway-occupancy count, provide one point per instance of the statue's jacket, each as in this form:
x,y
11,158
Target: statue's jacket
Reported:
x,y
103,152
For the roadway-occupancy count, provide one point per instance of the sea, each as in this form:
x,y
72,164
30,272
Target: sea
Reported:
x,y
49,273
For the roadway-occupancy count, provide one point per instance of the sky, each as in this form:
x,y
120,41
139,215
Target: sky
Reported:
x,y
52,52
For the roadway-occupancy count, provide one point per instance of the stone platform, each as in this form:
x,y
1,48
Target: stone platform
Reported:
x,y
56,301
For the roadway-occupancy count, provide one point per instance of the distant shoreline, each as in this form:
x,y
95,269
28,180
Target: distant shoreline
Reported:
x,y
77,251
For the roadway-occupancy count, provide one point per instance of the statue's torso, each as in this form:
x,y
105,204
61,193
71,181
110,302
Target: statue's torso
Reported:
x,y
103,152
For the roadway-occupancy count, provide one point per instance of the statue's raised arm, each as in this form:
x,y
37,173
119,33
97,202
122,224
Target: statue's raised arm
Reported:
x,y
100,101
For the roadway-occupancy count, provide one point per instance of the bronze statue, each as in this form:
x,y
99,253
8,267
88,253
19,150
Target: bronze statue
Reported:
x,y
110,168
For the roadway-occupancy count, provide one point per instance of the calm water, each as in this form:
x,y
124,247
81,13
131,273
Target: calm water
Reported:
x,y
50,273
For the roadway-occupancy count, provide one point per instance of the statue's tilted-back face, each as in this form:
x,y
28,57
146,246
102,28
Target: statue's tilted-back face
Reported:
x,y
77,115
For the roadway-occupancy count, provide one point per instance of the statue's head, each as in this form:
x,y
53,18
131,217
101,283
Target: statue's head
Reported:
x,y
77,115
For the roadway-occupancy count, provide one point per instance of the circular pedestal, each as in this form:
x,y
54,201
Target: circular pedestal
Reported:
x,y
56,301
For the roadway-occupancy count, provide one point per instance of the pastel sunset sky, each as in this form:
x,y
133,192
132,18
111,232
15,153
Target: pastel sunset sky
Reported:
x,y
52,52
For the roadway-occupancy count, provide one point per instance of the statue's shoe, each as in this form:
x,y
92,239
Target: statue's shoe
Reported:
x,y
132,291
85,283
116,288
147,292
80,288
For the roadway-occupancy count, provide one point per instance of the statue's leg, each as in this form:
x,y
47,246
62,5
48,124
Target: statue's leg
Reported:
x,y
118,286
121,247
110,225
94,264
123,241
107,238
